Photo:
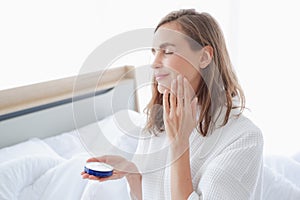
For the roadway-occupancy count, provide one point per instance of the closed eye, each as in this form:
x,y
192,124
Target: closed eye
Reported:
x,y
164,51
167,51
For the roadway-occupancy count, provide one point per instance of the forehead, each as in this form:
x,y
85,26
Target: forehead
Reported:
x,y
171,33
168,34
173,26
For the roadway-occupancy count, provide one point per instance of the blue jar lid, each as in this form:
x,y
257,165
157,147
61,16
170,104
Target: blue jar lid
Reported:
x,y
98,169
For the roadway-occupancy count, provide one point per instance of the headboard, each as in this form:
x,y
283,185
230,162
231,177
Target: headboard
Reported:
x,y
49,108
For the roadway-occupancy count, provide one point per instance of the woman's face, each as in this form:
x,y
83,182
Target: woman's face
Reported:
x,y
173,56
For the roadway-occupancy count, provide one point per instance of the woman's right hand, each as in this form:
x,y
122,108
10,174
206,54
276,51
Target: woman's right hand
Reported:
x,y
122,168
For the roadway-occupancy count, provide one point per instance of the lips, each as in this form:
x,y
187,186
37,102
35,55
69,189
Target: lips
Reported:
x,y
160,76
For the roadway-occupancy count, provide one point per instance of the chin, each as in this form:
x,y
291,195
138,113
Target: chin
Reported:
x,y
161,89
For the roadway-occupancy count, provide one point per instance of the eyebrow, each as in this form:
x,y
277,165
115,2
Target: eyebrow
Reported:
x,y
164,45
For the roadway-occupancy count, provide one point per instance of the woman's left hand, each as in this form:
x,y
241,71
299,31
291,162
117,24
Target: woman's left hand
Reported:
x,y
179,112
122,167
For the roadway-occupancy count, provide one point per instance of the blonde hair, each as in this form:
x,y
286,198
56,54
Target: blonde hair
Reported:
x,y
218,85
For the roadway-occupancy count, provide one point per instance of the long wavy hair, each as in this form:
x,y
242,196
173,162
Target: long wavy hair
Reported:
x,y
218,85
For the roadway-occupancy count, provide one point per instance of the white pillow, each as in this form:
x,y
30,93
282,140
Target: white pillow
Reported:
x,y
66,145
33,146
18,173
117,133
121,129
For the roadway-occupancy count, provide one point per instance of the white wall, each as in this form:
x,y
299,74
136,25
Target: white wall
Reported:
x,y
42,40
268,67
45,40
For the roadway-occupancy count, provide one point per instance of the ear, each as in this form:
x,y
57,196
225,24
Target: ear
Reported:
x,y
206,56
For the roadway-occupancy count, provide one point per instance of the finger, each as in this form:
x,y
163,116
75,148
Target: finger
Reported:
x,y
179,91
91,177
172,99
187,92
98,159
166,102
85,176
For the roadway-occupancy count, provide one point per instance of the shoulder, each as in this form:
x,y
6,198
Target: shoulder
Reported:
x,y
239,136
237,125
240,132
242,126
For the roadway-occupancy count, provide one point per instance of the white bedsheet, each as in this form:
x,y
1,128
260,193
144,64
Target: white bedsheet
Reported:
x,y
281,178
50,168
17,174
60,182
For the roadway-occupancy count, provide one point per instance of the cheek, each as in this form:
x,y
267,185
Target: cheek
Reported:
x,y
175,66
180,66
192,73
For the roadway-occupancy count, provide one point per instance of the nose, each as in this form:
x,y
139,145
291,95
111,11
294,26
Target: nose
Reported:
x,y
157,61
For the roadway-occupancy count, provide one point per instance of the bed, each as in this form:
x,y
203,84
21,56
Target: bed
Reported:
x,y
46,131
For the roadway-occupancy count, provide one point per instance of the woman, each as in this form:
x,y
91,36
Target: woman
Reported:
x,y
213,151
